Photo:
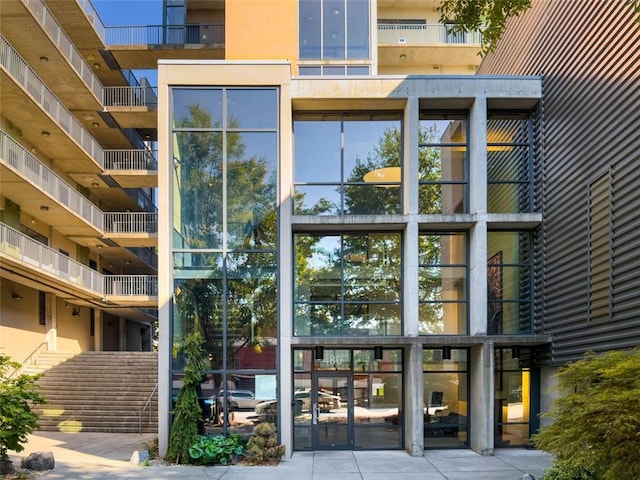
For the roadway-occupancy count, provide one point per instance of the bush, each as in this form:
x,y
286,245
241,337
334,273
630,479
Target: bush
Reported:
x,y
218,450
263,447
17,420
596,417
564,471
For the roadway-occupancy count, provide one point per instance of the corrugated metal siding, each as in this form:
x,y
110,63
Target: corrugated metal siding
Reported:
x,y
588,53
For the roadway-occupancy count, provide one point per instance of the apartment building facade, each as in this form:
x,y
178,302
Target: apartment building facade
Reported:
x,y
346,215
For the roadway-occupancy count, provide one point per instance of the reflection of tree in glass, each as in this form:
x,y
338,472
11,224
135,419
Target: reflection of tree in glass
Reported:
x,y
431,314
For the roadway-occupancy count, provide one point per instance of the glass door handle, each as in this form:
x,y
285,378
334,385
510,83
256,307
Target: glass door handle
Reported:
x,y
315,413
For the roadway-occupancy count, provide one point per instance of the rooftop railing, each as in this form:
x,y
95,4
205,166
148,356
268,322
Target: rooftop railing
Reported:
x,y
21,247
425,34
130,159
204,34
22,74
43,178
51,26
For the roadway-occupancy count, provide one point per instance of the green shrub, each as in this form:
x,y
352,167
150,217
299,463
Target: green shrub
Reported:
x,y
596,416
17,420
565,471
263,447
218,450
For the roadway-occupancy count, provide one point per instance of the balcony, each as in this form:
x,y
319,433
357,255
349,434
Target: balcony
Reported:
x,y
197,34
132,168
33,260
409,48
19,84
132,106
132,229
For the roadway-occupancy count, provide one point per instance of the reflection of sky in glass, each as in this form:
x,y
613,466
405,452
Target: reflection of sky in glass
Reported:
x,y
209,100
445,129
263,147
252,108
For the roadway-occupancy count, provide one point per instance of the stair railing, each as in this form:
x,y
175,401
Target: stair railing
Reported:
x,y
31,359
146,405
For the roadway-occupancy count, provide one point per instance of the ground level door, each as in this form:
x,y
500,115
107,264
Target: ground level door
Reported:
x,y
332,410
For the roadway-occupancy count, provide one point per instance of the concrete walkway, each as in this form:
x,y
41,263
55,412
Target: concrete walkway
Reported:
x,y
93,456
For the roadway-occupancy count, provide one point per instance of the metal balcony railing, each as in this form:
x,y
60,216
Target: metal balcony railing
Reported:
x,y
22,74
145,285
94,18
130,97
130,160
23,248
130,222
207,34
43,178
51,26
142,198
425,34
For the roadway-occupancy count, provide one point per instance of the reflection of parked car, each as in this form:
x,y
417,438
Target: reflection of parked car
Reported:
x,y
326,401
240,399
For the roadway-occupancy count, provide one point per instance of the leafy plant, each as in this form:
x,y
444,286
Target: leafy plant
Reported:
x,y
187,412
17,420
218,450
563,471
596,417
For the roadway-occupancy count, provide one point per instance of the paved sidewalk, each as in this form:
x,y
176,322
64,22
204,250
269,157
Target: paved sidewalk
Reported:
x,y
97,456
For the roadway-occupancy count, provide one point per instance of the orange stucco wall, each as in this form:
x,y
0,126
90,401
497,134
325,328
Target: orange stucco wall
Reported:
x,y
261,30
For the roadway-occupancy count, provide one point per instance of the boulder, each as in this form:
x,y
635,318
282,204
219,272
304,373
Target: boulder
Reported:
x,y
39,461
139,456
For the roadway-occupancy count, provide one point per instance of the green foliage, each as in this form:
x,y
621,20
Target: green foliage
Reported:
x,y
263,447
187,412
488,16
218,450
597,416
17,420
563,471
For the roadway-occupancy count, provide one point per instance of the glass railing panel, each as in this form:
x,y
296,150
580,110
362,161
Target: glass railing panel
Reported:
x,y
43,178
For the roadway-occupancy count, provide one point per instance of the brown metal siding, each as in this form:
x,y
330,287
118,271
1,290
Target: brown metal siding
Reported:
x,y
588,53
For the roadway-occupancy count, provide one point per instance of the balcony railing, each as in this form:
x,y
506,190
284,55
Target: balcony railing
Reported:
x,y
130,97
145,285
23,248
147,255
22,74
50,25
94,18
130,160
131,222
204,34
43,178
421,34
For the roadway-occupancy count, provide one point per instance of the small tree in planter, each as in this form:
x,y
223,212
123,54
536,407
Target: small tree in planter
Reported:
x,y
187,412
263,447
17,420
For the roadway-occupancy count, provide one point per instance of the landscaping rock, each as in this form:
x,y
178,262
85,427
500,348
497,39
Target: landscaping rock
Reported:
x,y
39,461
139,456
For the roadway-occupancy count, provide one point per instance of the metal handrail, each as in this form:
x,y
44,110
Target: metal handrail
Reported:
x,y
155,389
425,34
28,359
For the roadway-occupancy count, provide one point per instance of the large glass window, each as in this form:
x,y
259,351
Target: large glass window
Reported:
x,y
509,164
442,158
334,29
225,154
512,398
446,382
443,272
347,284
347,164
509,277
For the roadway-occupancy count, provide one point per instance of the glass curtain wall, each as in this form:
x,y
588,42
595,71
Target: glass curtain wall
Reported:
x,y
347,284
443,273
512,397
225,150
347,164
442,163
509,282
509,163
446,398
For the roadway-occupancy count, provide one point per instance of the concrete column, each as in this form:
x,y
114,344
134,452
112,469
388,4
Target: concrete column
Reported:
x,y
410,172
97,330
482,389
51,321
122,334
478,207
285,260
414,395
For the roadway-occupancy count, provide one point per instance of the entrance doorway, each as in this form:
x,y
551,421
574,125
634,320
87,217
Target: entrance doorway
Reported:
x,y
349,399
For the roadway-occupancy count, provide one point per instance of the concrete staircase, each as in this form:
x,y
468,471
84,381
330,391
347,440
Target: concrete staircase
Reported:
x,y
98,391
